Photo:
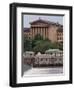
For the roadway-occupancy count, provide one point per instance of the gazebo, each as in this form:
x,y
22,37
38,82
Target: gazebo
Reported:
x,y
54,52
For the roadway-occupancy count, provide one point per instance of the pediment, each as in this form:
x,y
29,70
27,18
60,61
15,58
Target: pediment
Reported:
x,y
39,22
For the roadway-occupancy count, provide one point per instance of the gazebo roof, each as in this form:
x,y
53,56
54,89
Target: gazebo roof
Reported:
x,y
29,52
52,50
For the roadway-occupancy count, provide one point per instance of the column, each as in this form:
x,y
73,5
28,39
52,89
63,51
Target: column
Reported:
x,y
41,32
35,31
32,32
38,30
46,32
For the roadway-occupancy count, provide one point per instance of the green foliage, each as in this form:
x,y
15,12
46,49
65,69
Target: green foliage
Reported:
x,y
38,37
38,44
41,46
60,46
27,44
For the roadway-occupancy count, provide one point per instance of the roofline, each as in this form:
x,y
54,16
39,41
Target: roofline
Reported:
x,y
55,23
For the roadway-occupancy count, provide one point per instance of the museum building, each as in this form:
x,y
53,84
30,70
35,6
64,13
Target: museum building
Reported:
x,y
50,30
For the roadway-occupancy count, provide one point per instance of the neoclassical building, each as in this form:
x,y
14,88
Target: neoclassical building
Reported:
x,y
52,31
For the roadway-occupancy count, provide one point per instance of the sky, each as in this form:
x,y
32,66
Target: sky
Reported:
x,y
29,18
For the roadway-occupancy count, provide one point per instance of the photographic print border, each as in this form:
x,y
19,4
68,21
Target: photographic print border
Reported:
x,y
13,44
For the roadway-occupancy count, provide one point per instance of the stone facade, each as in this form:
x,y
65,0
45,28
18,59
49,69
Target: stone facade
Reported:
x,y
52,31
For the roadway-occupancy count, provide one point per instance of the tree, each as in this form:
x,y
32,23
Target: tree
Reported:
x,y
38,37
38,44
42,46
60,46
27,44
